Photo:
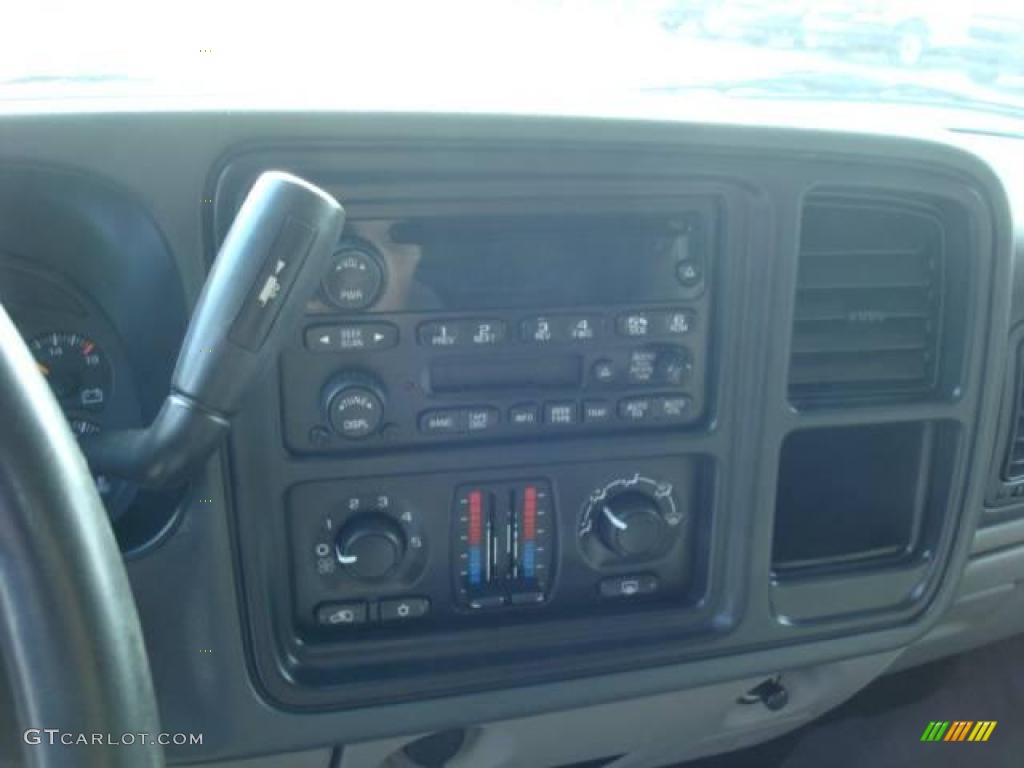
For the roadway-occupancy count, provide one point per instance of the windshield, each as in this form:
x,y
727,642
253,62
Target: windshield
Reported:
x,y
531,55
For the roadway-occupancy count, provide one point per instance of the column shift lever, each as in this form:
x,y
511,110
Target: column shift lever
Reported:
x,y
273,257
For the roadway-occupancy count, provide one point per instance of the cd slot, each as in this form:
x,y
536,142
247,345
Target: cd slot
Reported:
x,y
501,374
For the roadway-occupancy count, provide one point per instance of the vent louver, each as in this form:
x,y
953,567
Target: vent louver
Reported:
x,y
1013,468
868,304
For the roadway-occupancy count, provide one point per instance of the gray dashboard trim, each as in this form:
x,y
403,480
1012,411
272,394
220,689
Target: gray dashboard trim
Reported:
x,y
187,589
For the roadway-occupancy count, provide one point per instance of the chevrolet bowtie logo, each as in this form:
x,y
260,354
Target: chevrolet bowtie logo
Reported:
x,y
959,730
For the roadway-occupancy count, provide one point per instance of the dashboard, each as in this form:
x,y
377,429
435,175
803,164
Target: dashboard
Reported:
x,y
588,421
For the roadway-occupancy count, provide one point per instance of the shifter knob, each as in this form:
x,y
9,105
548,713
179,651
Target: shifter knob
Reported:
x,y
271,261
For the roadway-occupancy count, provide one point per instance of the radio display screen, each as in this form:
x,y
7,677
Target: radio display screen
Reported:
x,y
521,262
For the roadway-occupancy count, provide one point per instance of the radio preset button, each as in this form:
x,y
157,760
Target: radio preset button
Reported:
x,y
676,322
635,325
538,330
560,413
483,333
480,419
596,411
440,334
581,328
525,415
443,421
635,408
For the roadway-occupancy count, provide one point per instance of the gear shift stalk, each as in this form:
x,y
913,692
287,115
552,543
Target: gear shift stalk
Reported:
x,y
274,255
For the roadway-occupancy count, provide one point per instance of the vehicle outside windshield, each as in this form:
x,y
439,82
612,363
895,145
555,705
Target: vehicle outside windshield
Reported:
x,y
484,55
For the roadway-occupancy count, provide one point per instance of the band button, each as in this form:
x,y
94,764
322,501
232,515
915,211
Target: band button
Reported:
x,y
443,421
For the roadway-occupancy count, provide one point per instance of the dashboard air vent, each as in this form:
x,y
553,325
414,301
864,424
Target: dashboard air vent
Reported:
x,y
867,322
1013,468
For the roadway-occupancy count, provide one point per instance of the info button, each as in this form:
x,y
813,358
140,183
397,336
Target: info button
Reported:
x,y
524,415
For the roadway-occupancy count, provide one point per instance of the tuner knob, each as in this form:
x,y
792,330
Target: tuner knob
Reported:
x,y
355,408
631,525
370,547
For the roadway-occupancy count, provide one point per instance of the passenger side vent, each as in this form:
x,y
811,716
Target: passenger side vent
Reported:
x,y
1013,468
867,322
1006,484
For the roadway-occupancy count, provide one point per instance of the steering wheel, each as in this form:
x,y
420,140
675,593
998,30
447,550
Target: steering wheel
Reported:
x,y
69,634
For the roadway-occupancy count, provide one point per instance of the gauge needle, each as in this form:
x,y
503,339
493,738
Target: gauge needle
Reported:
x,y
43,369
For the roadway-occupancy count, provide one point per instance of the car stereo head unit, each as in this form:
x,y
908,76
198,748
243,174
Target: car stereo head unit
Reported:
x,y
434,329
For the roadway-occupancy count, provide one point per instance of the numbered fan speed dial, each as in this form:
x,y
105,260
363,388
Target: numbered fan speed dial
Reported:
x,y
364,540
371,546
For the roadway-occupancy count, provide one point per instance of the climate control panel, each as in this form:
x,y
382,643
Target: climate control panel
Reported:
x,y
435,551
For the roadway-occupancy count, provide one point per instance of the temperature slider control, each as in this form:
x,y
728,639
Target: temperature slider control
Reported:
x,y
503,544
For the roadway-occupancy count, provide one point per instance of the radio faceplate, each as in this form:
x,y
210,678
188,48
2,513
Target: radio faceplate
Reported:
x,y
429,351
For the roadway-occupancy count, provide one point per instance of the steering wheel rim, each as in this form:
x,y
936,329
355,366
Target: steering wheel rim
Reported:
x,y
70,636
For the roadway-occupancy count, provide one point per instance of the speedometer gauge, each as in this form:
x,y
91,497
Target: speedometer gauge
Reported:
x,y
76,369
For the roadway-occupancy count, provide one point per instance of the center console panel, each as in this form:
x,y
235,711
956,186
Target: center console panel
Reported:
x,y
550,418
